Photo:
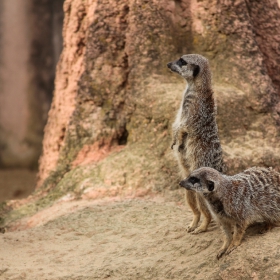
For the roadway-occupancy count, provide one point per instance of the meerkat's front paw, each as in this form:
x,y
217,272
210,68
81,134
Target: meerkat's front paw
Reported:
x,y
230,249
221,253
266,227
191,228
199,230
193,225
173,144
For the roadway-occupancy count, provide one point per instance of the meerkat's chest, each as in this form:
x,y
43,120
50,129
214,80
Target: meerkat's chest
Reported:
x,y
182,118
216,207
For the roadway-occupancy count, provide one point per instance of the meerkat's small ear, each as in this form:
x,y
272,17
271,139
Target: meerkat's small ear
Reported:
x,y
210,186
196,70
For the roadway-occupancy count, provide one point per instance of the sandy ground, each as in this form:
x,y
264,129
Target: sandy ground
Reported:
x,y
129,239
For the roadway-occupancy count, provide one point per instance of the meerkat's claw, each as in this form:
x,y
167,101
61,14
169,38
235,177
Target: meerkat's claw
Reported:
x,y
199,230
263,231
266,227
173,144
190,229
220,253
193,229
230,249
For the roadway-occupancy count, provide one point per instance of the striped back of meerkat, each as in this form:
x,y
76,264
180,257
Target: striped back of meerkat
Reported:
x,y
258,197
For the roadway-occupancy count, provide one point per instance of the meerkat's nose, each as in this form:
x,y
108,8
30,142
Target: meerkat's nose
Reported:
x,y
169,64
181,183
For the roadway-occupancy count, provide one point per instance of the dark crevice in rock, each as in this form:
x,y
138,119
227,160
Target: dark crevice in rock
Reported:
x,y
122,138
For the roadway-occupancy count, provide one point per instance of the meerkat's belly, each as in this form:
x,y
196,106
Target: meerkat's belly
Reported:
x,y
176,124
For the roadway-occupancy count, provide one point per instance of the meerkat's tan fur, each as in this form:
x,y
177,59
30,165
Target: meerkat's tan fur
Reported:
x,y
195,134
238,201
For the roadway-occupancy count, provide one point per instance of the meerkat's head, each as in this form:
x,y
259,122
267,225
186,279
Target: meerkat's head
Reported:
x,y
190,67
205,180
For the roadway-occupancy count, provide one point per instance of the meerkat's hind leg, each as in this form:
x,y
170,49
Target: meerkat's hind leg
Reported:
x,y
226,228
206,213
238,234
191,200
193,225
267,226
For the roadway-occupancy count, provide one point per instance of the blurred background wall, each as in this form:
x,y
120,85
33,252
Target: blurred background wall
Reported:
x,y
31,42
30,45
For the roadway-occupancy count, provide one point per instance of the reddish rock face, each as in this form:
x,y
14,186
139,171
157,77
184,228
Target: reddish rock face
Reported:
x,y
113,88
266,26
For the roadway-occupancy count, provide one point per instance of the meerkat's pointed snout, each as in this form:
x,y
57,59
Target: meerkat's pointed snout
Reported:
x,y
169,64
181,184
185,184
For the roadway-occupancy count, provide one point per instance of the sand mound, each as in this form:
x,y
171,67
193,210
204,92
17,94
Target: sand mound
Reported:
x,y
129,239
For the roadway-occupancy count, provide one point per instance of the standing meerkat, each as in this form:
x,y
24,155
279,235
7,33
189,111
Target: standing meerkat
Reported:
x,y
238,201
195,133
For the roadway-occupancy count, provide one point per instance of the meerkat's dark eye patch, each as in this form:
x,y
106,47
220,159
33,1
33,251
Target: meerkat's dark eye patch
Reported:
x,y
210,186
194,180
181,62
196,70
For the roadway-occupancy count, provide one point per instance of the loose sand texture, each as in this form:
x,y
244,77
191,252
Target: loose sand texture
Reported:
x,y
129,239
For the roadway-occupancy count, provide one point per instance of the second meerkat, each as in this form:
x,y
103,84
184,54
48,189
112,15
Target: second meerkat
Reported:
x,y
195,133
238,201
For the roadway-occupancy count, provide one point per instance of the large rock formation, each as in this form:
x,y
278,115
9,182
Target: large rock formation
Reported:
x,y
109,125
108,133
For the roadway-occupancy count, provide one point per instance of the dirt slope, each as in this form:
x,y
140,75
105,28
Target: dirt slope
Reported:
x,y
129,239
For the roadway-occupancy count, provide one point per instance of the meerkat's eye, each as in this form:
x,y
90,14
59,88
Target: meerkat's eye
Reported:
x,y
193,180
210,186
181,62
